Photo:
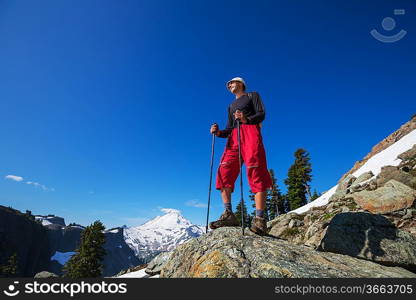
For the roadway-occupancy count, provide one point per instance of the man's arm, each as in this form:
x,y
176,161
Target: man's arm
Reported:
x,y
226,132
260,112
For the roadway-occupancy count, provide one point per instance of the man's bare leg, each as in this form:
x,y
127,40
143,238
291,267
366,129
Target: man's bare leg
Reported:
x,y
260,199
226,195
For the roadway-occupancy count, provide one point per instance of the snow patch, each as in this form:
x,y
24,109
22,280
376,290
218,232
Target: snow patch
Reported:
x,y
322,200
388,157
137,274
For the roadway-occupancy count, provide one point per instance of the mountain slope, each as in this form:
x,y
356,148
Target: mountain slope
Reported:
x,y
386,157
160,234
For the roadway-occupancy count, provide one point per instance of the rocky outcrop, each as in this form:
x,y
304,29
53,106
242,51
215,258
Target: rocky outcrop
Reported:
x,y
36,245
225,253
392,196
309,228
369,217
157,264
371,237
21,234
118,254
388,141
46,274
131,269
50,219
390,172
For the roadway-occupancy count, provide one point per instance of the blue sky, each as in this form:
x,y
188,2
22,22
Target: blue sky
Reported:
x,y
105,106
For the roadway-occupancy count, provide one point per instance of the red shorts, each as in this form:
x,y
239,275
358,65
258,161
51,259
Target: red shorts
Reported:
x,y
253,155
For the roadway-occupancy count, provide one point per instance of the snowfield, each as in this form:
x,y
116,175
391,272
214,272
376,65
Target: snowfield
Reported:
x,y
137,274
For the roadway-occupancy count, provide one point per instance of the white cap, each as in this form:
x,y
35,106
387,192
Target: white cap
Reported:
x,y
236,79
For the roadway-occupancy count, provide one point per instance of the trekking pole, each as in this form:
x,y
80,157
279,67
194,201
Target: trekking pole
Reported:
x,y
241,177
210,178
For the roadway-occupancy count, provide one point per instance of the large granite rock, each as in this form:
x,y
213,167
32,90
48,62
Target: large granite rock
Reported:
x,y
391,172
346,183
225,253
371,237
46,274
361,182
309,227
409,154
156,265
392,196
369,217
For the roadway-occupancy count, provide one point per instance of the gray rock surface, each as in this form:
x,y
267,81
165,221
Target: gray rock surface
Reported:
x,y
371,237
156,265
390,172
392,196
225,253
46,274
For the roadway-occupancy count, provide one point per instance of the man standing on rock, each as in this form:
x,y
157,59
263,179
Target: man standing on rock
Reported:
x,y
249,109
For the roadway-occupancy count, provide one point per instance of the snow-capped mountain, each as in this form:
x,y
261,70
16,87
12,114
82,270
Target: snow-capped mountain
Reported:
x,y
50,219
163,233
387,157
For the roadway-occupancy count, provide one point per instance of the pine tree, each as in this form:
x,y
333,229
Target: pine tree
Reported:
x,y
251,196
286,204
10,269
87,261
247,217
298,177
275,203
315,195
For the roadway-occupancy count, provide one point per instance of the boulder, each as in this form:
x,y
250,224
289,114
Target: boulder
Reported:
x,y
388,173
392,196
361,182
371,237
345,183
156,265
46,274
364,177
409,154
226,253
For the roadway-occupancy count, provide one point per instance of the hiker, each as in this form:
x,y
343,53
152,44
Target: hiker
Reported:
x,y
249,109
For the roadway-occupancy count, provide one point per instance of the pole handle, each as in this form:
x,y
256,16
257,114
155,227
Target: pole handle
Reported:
x,y
213,125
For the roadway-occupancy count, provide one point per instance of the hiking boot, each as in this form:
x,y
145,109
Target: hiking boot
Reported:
x,y
226,219
259,226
